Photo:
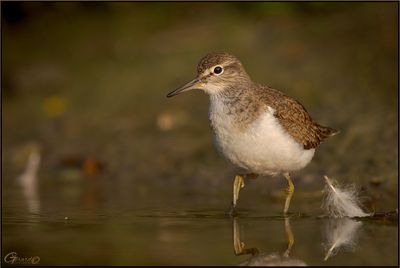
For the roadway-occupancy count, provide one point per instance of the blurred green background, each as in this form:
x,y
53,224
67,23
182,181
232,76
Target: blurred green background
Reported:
x,y
84,85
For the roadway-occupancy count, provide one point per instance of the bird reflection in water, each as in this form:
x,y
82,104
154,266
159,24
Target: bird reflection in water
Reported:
x,y
264,259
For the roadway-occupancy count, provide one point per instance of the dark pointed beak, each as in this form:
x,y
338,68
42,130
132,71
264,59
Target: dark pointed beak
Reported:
x,y
194,84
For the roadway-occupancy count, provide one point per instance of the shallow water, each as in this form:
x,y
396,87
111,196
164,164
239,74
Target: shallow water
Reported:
x,y
179,233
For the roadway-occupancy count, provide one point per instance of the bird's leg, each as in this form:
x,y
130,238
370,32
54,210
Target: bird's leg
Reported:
x,y
289,193
290,237
238,184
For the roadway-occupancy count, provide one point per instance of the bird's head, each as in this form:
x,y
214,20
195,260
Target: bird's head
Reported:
x,y
215,73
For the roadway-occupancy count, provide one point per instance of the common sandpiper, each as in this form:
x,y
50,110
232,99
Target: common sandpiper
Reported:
x,y
258,128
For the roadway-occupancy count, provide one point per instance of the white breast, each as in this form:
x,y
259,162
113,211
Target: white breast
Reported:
x,y
264,147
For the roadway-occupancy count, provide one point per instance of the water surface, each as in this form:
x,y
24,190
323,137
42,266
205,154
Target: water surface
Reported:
x,y
177,233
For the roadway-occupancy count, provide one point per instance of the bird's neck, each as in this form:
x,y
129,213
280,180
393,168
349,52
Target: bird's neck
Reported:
x,y
234,105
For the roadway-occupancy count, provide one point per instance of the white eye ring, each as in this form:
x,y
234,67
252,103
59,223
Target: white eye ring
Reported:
x,y
217,70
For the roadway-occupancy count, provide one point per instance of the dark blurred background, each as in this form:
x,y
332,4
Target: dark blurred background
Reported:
x,y
84,86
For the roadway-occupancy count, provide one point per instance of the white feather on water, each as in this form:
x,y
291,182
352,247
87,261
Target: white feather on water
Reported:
x,y
340,203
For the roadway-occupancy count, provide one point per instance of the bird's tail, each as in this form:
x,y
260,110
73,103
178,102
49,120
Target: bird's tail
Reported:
x,y
326,132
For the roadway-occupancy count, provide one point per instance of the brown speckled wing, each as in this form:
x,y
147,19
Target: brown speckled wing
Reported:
x,y
295,119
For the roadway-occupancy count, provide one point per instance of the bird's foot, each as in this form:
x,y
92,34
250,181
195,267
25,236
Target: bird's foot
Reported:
x,y
232,212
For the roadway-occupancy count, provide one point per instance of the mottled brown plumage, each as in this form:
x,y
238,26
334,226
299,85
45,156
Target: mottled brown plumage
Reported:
x,y
248,100
294,118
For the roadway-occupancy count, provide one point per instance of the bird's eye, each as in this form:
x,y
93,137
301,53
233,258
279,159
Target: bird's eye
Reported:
x,y
218,70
